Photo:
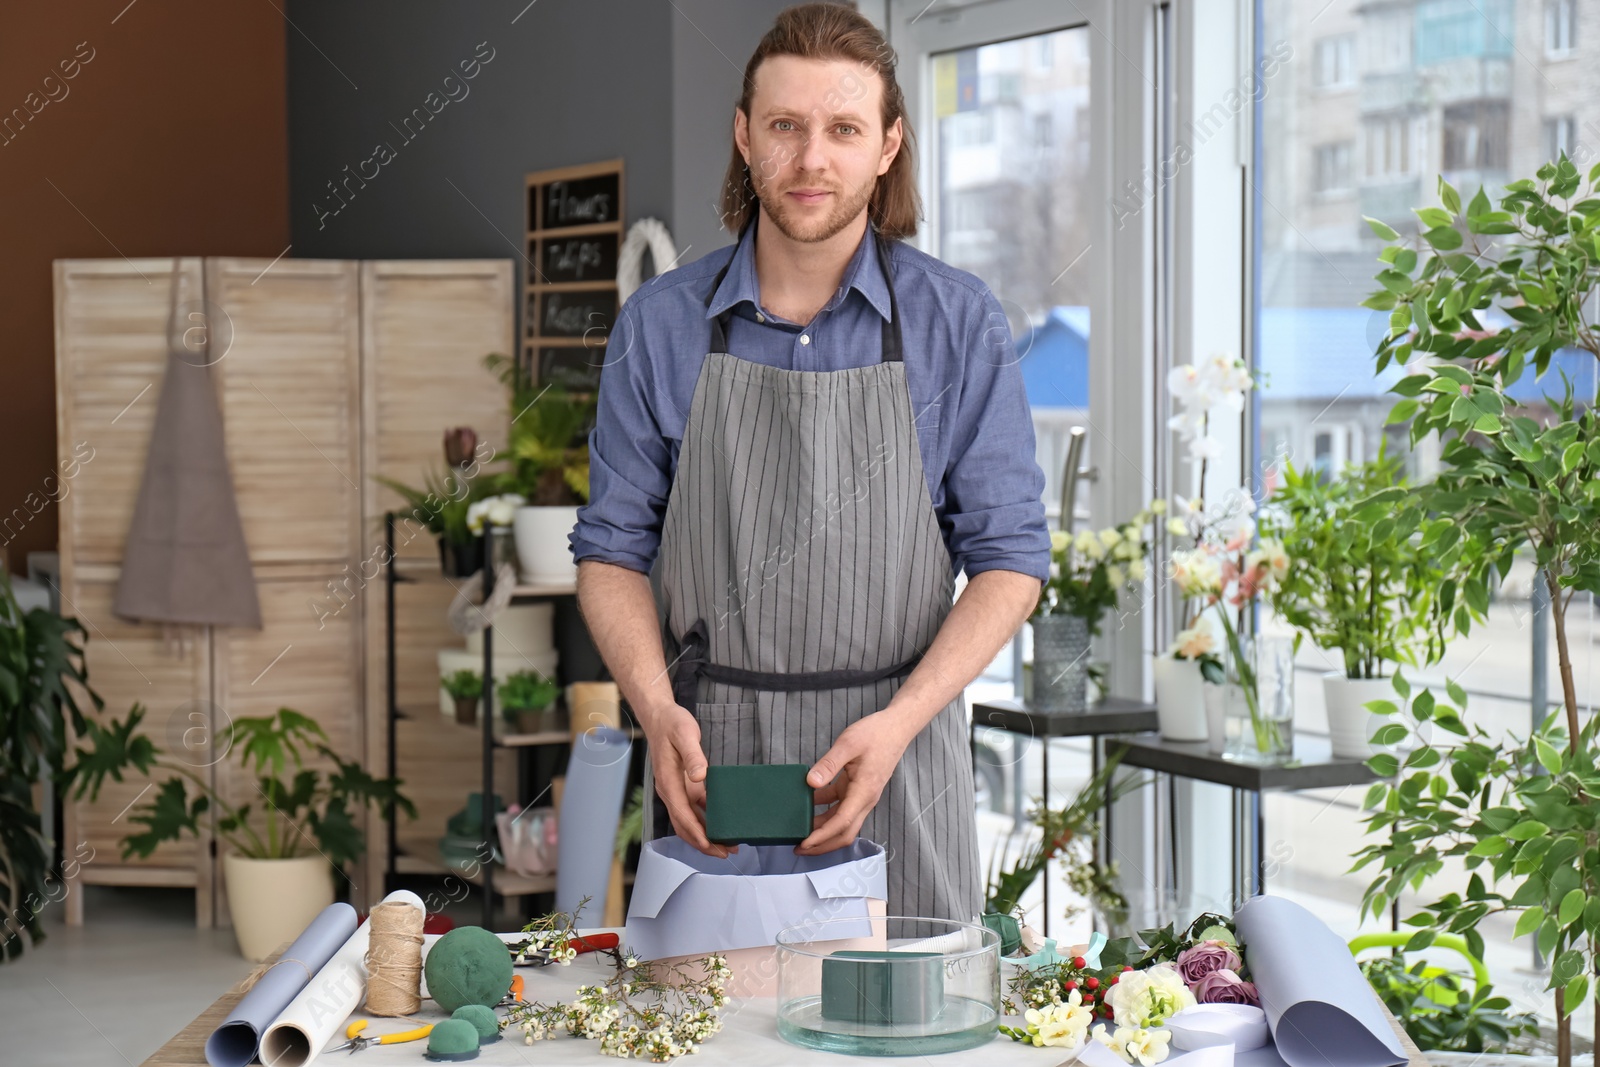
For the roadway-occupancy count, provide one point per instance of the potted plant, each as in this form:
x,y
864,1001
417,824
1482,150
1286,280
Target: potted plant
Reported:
x,y
41,666
1367,591
1522,814
548,464
465,687
1088,574
285,840
494,517
526,699
444,503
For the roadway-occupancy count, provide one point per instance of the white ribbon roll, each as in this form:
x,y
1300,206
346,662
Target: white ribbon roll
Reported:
x,y
1209,1025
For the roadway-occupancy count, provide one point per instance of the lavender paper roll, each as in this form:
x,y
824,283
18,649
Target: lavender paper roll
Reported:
x,y
1320,1009
236,1041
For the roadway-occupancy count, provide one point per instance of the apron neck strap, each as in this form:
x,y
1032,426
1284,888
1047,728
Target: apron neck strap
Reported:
x,y
891,340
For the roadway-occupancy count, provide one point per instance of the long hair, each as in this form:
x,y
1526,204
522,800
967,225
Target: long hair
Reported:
x,y
830,31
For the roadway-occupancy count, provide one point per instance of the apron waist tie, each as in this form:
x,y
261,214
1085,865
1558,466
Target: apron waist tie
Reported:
x,y
692,665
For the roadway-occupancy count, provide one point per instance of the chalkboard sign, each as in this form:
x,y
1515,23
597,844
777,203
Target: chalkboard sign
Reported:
x,y
575,230
579,259
575,313
575,368
580,202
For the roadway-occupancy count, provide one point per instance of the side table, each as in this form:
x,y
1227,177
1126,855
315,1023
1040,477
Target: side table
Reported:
x,y
1314,767
1113,715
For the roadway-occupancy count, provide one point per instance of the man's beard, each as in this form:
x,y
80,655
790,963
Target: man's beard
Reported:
x,y
788,217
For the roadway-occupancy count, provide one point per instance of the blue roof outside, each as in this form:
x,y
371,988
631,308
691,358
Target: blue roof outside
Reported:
x,y
1307,353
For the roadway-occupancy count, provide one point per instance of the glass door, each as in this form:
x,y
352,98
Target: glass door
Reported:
x,y
1001,98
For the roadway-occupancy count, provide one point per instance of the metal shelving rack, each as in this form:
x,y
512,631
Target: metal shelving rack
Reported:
x,y
425,857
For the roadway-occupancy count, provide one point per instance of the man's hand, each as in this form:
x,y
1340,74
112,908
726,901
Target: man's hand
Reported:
x,y
679,767
851,776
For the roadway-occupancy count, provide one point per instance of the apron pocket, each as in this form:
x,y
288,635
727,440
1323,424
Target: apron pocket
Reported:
x,y
729,733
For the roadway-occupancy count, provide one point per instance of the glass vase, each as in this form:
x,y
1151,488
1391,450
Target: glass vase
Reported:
x,y
1258,720
1060,663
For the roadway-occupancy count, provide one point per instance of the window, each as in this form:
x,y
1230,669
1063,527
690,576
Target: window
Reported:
x,y
1386,42
1333,167
1560,29
1389,149
1477,136
1335,66
1044,129
1464,29
1439,86
1560,135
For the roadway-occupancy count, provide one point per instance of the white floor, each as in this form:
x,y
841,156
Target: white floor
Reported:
x,y
115,990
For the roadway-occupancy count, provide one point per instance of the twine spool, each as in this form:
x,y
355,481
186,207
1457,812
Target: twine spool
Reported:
x,y
394,959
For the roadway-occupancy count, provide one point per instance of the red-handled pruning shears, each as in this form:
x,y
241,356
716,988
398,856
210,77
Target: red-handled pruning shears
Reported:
x,y
592,943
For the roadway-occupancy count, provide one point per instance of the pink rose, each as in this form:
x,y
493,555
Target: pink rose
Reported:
x,y
1208,956
1226,987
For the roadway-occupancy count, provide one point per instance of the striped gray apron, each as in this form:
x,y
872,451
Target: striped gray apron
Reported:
x,y
802,574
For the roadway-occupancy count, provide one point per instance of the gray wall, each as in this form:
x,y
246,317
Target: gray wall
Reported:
x,y
571,81
711,42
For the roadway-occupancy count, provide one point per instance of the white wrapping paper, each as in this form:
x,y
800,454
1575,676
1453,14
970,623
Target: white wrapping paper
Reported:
x,y
319,1012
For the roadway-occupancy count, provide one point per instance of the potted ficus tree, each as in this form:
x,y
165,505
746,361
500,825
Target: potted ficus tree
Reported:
x,y
547,462
1366,592
286,840
1522,815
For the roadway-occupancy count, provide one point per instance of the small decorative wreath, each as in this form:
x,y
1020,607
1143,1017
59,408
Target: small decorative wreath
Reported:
x,y
651,233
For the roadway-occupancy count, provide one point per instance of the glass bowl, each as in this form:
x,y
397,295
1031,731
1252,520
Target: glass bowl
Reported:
x,y
888,985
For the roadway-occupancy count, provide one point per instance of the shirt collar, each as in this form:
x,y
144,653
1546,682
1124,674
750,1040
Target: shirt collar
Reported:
x,y
863,274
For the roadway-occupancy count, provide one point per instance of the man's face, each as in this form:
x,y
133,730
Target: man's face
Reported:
x,y
815,143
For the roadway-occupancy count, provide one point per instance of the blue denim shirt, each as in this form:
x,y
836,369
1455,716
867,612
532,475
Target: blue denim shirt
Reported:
x,y
973,422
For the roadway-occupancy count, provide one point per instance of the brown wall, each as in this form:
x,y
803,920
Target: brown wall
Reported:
x,y
170,140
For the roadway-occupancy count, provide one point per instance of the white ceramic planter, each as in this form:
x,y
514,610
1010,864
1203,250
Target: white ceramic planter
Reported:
x,y
1180,699
1350,724
543,551
271,902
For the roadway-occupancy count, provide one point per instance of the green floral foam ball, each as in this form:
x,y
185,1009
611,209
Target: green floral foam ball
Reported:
x,y
469,965
453,1039
486,1021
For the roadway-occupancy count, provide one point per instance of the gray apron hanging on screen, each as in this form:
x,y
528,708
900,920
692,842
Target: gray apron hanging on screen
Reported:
x,y
802,574
185,560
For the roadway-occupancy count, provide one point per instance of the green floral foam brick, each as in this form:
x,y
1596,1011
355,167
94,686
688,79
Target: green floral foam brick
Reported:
x,y
758,804
883,986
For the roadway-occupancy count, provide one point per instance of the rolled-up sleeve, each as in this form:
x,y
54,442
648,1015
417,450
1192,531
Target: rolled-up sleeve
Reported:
x,y
629,461
994,507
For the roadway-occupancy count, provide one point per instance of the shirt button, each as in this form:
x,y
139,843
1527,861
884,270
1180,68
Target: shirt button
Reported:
x,y
805,339
760,317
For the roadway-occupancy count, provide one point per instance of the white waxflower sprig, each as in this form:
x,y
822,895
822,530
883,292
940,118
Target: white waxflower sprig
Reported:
x,y
643,1010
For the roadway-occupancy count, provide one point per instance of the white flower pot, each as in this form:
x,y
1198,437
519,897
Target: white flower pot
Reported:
x,y
272,901
1350,724
543,551
1180,699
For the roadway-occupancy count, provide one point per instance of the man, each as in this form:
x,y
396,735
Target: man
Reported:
x,y
816,429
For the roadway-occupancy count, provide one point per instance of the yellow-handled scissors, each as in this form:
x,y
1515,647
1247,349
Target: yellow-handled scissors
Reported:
x,y
354,1042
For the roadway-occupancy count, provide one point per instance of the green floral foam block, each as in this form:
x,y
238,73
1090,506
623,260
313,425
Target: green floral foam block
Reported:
x,y
758,804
